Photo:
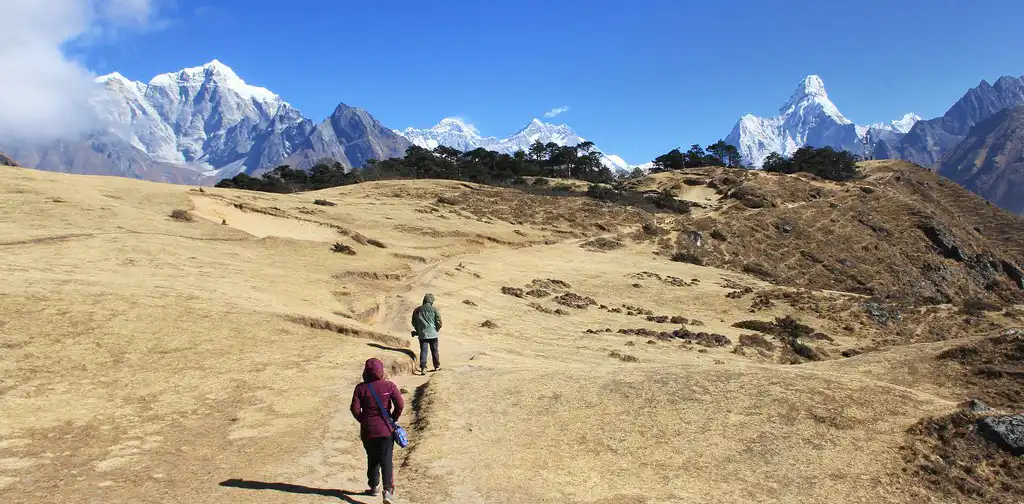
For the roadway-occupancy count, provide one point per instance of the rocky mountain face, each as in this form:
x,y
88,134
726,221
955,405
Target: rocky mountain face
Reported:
x,y
351,136
929,140
989,161
202,124
454,133
810,118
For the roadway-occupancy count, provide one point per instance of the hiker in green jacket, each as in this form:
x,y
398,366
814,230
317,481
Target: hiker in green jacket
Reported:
x,y
427,321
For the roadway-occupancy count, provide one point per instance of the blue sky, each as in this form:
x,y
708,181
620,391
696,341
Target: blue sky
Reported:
x,y
639,77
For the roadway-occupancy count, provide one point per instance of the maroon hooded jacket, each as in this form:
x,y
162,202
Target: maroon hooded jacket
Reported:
x,y
365,409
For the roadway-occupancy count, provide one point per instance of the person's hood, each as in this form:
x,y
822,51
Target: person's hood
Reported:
x,y
428,299
373,370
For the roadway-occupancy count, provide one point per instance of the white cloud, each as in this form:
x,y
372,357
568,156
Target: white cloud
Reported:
x,y
45,93
555,111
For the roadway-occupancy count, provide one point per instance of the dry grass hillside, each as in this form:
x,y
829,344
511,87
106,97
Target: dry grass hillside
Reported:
x,y
901,233
165,344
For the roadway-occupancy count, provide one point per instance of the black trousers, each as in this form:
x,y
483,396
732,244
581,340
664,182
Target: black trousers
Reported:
x,y
379,462
430,344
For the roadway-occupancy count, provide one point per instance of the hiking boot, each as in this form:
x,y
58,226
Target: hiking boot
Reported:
x,y
437,368
389,497
373,491
423,371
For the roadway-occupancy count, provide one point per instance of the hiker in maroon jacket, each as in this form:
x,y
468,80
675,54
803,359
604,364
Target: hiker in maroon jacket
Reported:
x,y
374,430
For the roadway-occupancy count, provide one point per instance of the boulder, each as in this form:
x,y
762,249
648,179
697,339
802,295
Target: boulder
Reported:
x,y
977,406
1005,431
944,241
1014,272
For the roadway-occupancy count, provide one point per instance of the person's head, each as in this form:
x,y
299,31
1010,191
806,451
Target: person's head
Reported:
x,y
373,370
428,299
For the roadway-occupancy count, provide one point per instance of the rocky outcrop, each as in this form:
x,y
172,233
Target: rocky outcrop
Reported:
x,y
1005,431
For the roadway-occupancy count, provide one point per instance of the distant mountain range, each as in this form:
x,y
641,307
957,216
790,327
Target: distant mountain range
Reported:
x,y
201,124
454,133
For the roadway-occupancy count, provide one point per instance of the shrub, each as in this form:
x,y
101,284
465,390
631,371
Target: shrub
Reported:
x,y
562,188
603,193
447,200
375,243
323,202
182,215
756,341
541,182
756,325
341,248
976,307
688,256
759,270
519,181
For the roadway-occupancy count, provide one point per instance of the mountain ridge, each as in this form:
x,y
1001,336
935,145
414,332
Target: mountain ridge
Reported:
x,y
930,139
989,161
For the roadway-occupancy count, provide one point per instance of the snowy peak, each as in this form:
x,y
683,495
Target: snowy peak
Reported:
x,y
809,118
808,89
809,99
901,125
218,73
453,125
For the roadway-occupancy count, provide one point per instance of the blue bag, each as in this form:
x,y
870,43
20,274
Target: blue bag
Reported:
x,y
398,433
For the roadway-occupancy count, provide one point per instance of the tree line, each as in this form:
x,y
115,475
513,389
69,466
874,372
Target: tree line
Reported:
x,y
581,162
717,154
824,162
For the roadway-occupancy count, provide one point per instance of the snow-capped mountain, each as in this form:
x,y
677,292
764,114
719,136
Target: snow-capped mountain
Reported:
x,y
206,117
454,133
204,123
809,118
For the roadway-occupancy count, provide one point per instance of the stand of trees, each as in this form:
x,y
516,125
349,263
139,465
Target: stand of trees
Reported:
x,y
824,162
717,154
581,162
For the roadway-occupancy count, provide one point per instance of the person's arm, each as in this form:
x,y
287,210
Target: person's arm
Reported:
x,y
397,403
356,407
413,320
437,319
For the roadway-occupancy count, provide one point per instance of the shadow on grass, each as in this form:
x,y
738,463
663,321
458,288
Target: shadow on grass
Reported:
x,y
344,495
407,352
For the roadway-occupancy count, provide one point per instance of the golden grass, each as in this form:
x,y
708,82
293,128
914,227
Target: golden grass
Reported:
x,y
148,361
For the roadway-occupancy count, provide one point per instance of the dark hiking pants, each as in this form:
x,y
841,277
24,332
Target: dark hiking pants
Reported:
x,y
432,345
378,462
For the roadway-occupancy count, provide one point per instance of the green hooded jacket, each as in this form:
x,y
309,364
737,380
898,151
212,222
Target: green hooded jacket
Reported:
x,y
426,319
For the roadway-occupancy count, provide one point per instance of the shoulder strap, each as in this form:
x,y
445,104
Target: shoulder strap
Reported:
x,y
380,405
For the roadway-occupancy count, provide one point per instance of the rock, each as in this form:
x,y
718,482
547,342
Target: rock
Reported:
x,y
884,315
977,406
696,238
944,242
1005,431
1014,272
